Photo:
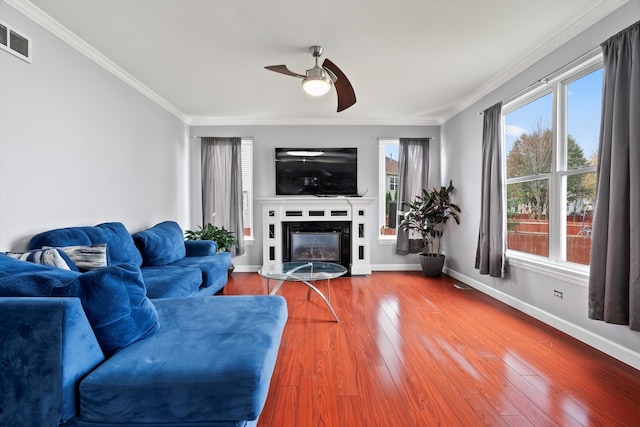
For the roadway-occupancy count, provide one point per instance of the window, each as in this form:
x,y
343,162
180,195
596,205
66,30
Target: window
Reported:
x,y
551,138
247,185
388,187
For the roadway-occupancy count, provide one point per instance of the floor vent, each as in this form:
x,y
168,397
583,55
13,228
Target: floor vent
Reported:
x,y
14,42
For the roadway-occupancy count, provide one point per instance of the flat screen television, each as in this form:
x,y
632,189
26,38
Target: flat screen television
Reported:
x,y
317,171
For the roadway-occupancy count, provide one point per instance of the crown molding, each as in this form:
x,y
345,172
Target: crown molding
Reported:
x,y
581,22
227,121
37,15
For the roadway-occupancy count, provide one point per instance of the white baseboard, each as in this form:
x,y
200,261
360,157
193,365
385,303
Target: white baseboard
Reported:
x,y
609,347
247,268
396,267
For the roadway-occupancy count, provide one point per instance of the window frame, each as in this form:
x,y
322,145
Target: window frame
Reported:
x,y
557,85
247,144
382,182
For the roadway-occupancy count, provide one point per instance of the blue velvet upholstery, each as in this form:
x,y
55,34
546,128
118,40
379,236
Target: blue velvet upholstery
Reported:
x,y
113,298
120,246
161,244
117,307
200,247
13,267
171,282
47,347
214,268
212,363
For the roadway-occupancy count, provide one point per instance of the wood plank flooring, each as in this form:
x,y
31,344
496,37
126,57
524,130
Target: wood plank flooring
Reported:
x,y
412,351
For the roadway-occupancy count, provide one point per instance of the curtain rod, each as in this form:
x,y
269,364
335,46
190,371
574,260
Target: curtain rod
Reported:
x,y
552,75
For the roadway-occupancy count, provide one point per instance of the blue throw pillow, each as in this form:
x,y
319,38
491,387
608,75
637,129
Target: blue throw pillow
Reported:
x,y
161,244
51,257
114,299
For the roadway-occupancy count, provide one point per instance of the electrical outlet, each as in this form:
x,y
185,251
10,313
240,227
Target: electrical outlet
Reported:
x,y
558,294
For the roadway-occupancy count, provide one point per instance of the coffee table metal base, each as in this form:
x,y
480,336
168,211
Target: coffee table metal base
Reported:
x,y
294,278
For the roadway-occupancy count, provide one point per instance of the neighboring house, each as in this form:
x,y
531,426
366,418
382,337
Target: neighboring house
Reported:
x,y
391,168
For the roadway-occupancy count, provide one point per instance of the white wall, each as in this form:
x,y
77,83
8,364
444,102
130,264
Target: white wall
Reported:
x,y
529,291
78,146
266,138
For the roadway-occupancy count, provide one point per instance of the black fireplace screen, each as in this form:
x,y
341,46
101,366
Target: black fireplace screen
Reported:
x,y
315,246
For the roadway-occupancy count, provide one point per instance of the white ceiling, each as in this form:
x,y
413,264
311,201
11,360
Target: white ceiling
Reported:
x,y
410,62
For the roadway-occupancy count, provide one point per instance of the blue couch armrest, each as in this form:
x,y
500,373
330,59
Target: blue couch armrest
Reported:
x,y
47,347
200,247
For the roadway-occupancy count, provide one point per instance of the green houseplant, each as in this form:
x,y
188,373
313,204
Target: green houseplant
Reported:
x,y
223,237
428,215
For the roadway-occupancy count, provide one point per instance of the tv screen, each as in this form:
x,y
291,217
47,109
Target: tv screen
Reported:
x,y
317,171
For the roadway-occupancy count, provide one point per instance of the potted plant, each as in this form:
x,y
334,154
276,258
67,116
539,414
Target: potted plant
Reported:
x,y
428,215
224,238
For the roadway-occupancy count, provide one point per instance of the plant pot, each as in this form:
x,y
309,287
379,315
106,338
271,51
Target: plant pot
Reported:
x,y
431,264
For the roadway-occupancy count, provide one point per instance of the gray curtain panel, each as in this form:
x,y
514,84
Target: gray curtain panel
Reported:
x,y
413,172
490,254
614,281
222,186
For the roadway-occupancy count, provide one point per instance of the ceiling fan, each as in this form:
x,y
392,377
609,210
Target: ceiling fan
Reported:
x,y
317,80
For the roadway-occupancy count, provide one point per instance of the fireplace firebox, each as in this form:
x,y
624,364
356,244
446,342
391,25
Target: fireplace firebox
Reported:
x,y
317,241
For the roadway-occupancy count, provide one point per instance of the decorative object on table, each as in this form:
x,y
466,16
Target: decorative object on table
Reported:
x,y
224,238
428,215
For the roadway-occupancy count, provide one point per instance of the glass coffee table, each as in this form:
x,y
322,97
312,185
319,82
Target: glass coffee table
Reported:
x,y
303,272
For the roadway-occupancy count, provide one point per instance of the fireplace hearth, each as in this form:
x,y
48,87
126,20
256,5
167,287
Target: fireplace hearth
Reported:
x,y
317,241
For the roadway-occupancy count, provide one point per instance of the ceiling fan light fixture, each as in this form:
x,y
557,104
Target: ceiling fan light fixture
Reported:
x,y
316,86
316,82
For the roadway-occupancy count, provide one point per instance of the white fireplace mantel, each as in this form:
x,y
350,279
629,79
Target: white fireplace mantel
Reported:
x,y
276,210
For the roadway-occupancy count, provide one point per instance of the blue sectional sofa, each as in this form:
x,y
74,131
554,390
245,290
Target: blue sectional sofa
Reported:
x,y
171,267
91,349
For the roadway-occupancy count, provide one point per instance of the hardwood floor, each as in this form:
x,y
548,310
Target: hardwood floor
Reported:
x,y
412,351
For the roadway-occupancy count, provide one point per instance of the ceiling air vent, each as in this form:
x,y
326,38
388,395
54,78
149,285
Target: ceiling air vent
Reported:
x,y
14,42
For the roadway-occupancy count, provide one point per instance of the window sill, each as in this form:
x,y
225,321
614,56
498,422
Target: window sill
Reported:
x,y
565,271
386,240
249,240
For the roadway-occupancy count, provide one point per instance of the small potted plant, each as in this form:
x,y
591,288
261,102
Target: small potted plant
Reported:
x,y
224,238
428,215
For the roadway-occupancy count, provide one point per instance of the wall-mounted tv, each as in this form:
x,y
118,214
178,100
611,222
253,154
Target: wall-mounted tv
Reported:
x,y
317,171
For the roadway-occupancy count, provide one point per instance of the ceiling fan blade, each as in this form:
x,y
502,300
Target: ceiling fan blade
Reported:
x,y
282,69
346,95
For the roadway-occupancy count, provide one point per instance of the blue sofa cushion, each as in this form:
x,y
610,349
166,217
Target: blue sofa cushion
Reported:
x,y
171,282
200,247
51,256
113,298
21,278
213,267
213,364
117,307
120,246
161,244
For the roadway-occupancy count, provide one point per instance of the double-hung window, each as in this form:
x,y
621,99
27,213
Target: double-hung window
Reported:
x,y
551,138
